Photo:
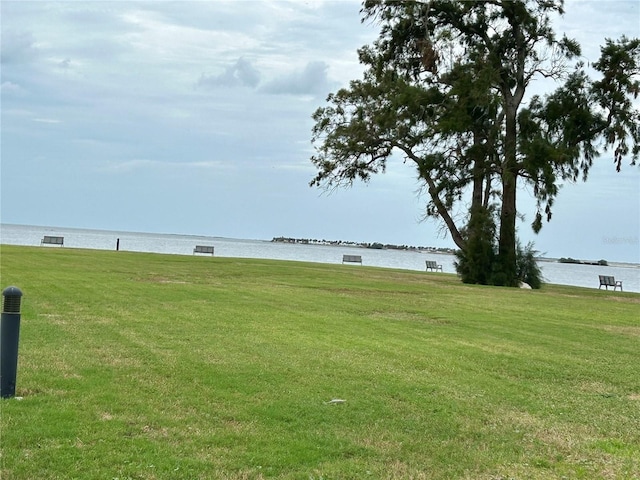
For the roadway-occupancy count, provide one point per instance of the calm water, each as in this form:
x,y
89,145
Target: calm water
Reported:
x,y
559,273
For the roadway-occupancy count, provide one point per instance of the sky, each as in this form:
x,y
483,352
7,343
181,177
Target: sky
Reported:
x,y
194,117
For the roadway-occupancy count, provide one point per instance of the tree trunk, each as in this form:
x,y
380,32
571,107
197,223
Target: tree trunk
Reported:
x,y
443,212
479,172
507,240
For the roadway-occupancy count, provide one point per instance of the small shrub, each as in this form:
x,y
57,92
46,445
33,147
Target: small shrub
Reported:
x,y
476,261
527,268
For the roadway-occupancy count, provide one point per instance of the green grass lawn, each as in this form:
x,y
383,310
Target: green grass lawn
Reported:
x,y
148,366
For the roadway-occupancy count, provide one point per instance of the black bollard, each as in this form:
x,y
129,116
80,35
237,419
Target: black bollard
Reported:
x,y
9,335
117,245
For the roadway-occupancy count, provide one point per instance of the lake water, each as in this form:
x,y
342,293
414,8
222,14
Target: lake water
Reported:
x,y
554,272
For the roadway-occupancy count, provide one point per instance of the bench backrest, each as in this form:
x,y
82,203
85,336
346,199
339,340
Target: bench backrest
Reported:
x,y
607,280
431,264
203,249
53,240
352,258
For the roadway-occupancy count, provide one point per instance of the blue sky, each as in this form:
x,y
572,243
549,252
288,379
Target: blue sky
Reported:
x,y
194,117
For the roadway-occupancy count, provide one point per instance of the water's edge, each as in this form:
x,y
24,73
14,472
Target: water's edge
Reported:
x,y
554,272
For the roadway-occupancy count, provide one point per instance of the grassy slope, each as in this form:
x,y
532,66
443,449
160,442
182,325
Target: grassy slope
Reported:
x,y
152,366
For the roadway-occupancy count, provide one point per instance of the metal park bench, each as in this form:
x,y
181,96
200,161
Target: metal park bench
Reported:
x,y
203,249
51,240
352,259
609,281
433,266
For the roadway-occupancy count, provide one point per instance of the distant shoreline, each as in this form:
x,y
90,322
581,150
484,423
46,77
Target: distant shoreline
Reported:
x,y
42,229
374,245
601,263
436,250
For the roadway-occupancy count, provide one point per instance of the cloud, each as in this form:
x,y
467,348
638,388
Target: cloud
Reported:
x,y
10,87
17,47
47,120
65,64
137,164
311,80
240,74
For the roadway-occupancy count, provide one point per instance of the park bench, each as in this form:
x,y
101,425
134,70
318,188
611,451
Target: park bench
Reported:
x,y
352,259
433,266
609,281
51,240
203,249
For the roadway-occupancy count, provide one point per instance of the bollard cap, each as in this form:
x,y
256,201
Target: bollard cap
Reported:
x,y
11,302
12,292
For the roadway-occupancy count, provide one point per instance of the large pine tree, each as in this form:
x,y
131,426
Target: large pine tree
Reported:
x,y
445,86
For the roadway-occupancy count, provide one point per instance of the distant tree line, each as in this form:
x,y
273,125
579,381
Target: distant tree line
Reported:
x,y
582,262
374,245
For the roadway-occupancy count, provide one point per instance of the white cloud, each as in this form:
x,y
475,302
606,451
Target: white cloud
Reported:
x,y
146,164
240,74
47,120
11,88
17,47
311,80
